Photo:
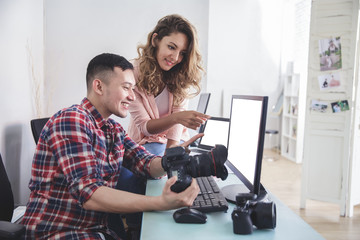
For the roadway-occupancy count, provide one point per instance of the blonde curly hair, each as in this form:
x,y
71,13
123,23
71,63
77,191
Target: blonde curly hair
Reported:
x,y
182,77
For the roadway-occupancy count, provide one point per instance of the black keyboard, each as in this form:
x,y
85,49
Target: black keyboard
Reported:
x,y
210,198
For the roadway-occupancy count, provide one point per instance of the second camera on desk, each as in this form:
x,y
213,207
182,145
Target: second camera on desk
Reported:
x,y
249,213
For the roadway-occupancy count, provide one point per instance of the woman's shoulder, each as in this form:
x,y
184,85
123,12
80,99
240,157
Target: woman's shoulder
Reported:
x,y
135,63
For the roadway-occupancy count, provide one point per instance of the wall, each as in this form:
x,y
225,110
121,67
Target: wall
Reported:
x,y
353,197
21,61
244,51
93,27
256,54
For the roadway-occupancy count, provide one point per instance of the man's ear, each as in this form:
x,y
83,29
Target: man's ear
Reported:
x,y
153,39
97,86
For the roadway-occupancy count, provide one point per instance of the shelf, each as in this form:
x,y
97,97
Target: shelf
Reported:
x,y
288,147
290,137
291,96
290,117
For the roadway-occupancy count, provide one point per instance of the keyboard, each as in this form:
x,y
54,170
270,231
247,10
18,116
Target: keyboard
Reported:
x,y
210,198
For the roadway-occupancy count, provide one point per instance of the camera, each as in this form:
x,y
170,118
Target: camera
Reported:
x,y
249,212
177,162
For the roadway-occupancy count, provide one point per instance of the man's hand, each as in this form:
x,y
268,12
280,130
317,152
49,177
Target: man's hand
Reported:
x,y
173,200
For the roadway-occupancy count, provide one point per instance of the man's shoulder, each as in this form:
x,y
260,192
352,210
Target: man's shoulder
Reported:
x,y
74,109
73,113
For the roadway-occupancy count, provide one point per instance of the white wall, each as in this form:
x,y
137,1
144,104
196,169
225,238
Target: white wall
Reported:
x,y
77,31
21,61
244,51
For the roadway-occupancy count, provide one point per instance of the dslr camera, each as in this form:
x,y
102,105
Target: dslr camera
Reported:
x,y
176,162
249,212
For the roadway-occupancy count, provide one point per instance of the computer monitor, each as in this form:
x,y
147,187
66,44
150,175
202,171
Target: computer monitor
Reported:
x,y
201,107
246,143
215,131
203,102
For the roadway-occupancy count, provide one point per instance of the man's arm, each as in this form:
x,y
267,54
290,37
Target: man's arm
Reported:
x,y
156,169
112,200
107,199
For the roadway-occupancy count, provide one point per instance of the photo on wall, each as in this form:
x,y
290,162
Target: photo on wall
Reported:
x,y
329,81
319,106
340,106
335,106
330,54
344,105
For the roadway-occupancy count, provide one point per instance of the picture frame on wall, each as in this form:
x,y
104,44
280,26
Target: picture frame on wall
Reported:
x,y
330,54
329,81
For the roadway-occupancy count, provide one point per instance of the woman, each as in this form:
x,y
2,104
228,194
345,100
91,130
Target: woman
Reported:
x,y
167,70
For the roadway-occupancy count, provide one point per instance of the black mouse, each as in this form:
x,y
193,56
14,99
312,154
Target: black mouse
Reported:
x,y
189,215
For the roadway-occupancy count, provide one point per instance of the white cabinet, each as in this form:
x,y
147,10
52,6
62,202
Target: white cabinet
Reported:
x,y
290,117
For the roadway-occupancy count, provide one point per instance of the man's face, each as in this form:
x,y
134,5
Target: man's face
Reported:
x,y
118,93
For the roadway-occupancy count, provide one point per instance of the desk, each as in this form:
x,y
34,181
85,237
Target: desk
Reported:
x,y
161,225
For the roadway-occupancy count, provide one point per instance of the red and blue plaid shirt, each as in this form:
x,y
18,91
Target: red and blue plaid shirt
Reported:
x,y
78,152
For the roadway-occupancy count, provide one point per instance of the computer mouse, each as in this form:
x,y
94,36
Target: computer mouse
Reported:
x,y
189,215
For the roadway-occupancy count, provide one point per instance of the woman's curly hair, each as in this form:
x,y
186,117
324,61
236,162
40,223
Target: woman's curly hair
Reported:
x,y
182,77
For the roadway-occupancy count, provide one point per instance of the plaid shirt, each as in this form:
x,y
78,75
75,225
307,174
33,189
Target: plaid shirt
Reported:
x,y
78,152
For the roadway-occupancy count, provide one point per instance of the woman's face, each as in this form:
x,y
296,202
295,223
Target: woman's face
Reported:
x,y
170,49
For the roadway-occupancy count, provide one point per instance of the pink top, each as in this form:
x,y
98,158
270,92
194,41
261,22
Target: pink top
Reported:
x,y
143,109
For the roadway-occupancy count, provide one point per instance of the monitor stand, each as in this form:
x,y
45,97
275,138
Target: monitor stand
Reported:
x,y
231,191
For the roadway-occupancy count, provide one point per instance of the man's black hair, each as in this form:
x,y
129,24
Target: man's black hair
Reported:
x,y
100,66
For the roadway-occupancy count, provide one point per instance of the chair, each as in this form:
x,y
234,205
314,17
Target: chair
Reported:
x,y
271,133
36,126
8,230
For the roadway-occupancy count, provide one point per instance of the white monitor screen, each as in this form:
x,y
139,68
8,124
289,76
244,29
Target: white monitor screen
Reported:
x,y
216,132
244,135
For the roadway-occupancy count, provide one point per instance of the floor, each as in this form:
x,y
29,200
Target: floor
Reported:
x,y
282,177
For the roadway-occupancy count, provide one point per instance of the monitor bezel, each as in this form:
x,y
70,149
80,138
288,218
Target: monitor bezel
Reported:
x,y
254,188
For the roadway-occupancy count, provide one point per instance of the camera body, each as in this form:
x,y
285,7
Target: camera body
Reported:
x,y
177,162
249,212
176,159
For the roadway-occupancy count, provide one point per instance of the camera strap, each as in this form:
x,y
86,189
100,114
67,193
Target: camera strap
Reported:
x,y
212,155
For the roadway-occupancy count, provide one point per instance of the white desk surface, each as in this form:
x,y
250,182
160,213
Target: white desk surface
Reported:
x,y
219,226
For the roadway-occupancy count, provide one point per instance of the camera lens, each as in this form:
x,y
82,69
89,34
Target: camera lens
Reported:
x,y
211,163
264,215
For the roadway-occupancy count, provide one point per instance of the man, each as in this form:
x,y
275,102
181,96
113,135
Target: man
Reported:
x,y
78,159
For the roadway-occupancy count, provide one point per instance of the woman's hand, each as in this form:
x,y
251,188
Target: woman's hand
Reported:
x,y
190,119
172,143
